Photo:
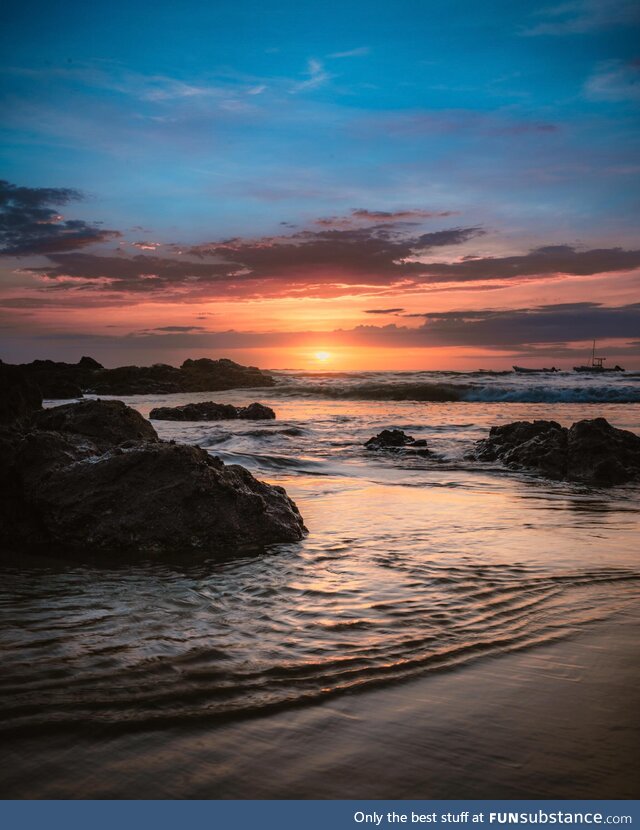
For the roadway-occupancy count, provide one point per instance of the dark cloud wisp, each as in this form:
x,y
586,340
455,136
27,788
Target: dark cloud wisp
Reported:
x,y
29,223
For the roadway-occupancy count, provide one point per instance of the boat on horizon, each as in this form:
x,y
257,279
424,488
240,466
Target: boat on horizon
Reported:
x,y
525,371
597,364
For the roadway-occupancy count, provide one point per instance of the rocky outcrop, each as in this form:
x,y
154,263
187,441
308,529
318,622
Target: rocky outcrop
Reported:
x,y
202,375
396,440
19,397
591,451
105,423
211,411
58,381
158,497
93,477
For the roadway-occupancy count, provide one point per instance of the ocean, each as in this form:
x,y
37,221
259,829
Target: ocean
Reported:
x,y
415,568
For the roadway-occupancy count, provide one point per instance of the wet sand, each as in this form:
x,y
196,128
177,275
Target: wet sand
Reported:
x,y
558,721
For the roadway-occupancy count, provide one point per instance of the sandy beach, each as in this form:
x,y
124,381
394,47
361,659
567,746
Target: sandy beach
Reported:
x,y
561,721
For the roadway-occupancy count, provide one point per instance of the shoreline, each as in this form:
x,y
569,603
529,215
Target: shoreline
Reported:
x,y
556,721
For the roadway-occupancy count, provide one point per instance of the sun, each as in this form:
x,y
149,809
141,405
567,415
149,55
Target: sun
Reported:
x,y
322,357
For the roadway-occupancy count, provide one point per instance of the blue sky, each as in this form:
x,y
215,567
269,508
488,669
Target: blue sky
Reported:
x,y
184,125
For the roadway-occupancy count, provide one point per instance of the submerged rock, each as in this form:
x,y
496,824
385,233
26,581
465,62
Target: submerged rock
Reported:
x,y
211,411
591,451
395,440
93,476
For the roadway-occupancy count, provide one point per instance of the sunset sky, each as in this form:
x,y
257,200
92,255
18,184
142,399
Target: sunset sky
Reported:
x,y
339,185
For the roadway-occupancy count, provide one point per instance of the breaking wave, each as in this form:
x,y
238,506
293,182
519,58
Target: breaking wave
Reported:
x,y
469,392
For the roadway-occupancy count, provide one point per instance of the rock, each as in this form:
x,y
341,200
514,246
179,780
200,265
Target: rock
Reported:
x,y
211,411
93,476
162,497
592,451
19,396
159,379
55,380
256,412
207,375
68,380
202,375
602,454
105,423
207,411
539,446
395,440
89,363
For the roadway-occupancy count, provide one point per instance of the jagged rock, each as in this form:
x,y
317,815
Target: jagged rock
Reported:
x,y
89,363
211,411
93,476
591,451
395,440
537,445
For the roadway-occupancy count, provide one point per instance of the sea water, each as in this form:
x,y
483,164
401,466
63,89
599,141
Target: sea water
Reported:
x,y
413,566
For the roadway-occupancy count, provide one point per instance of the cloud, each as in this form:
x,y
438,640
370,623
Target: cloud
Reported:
x,y
146,246
547,260
327,263
111,76
179,328
548,330
584,16
317,76
360,52
556,323
312,263
615,81
383,310
30,225
359,215
394,215
140,273
472,123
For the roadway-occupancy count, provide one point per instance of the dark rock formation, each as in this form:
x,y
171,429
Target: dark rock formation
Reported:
x,y
591,451
105,423
58,381
69,380
211,411
161,496
93,477
19,397
395,440
202,375
601,453
256,412
207,411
